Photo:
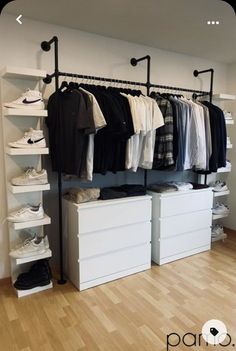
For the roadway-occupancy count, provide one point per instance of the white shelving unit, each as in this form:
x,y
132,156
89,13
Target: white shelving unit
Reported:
x,y
222,99
14,81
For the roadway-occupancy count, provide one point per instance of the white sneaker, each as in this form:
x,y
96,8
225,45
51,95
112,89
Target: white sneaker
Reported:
x,y
31,99
219,186
30,247
31,139
28,213
228,115
217,230
220,209
31,177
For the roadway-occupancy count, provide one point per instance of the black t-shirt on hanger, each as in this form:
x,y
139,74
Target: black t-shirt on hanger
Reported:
x,y
69,121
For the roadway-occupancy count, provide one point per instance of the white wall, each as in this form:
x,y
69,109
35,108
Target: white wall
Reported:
x,y
94,55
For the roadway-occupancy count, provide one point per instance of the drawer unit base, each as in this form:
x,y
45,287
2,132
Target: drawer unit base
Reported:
x,y
113,276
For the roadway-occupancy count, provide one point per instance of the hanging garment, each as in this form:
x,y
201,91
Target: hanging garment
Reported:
x,y
99,123
70,121
218,136
163,150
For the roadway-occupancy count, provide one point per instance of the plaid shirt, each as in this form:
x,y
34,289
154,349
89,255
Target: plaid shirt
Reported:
x,y
163,152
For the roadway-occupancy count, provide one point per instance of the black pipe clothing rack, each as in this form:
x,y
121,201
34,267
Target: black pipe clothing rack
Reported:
x,y
46,46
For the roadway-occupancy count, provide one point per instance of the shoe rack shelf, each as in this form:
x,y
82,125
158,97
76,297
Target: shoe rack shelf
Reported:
x,y
8,112
14,81
22,293
224,97
31,224
22,73
229,121
218,238
46,254
17,152
28,188
221,193
223,170
219,216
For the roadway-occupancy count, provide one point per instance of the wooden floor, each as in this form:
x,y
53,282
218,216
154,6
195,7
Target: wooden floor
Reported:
x,y
134,313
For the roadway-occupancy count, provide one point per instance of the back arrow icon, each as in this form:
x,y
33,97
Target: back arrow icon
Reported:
x,y
18,19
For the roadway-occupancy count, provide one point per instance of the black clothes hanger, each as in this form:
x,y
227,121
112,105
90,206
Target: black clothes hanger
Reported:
x,y
64,85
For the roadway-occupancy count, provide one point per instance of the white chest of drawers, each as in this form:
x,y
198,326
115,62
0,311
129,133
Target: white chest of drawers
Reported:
x,y
107,240
181,224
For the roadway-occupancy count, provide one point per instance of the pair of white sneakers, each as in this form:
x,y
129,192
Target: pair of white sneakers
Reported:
x,y
27,213
220,208
32,139
31,177
32,246
31,99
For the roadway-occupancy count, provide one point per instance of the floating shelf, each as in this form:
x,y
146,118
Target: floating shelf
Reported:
x,y
19,189
230,146
229,121
21,293
214,216
218,238
224,97
221,193
46,254
223,170
37,151
24,112
22,73
30,224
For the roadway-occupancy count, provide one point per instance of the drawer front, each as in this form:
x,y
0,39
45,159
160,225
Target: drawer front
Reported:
x,y
115,215
115,262
185,203
107,240
184,243
186,223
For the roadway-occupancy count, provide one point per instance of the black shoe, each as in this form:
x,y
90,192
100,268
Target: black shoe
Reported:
x,y
31,285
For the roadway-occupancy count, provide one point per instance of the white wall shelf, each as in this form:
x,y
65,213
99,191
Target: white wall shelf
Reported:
x,y
22,73
30,224
215,217
14,80
17,152
27,188
218,238
46,254
230,146
221,193
224,97
229,121
24,112
21,293
223,170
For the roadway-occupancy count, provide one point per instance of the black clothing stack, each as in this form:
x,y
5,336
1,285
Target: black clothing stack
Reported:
x,y
39,275
126,190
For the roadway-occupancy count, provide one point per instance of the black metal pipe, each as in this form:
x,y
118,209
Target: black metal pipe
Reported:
x,y
59,173
46,46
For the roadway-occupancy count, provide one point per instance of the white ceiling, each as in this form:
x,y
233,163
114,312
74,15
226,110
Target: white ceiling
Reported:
x,y
174,25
